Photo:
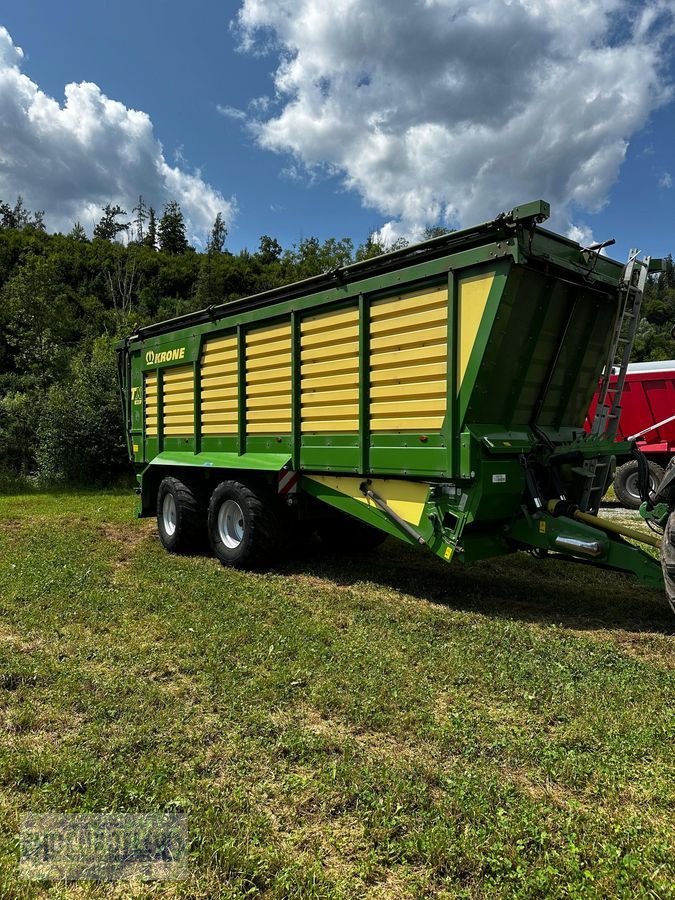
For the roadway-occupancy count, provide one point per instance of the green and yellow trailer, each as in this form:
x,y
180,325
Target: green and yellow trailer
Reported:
x,y
435,394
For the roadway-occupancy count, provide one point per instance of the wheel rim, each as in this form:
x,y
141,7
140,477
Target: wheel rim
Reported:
x,y
169,516
633,489
231,524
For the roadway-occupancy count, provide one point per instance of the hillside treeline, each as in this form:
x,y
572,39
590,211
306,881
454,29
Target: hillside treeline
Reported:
x,y
65,299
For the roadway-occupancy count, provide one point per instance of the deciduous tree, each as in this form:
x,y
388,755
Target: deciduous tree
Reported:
x,y
108,228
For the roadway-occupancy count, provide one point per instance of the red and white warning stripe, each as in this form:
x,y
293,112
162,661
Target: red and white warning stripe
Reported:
x,y
288,481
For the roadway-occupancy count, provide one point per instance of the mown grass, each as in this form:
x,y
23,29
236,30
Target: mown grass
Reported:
x,y
377,727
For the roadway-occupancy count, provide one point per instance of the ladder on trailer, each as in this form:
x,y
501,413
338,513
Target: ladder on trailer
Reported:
x,y
606,420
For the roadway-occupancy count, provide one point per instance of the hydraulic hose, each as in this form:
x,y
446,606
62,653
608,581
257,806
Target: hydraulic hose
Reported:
x,y
643,474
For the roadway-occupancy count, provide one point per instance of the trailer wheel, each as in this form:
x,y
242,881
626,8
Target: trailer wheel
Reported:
x,y
626,483
180,516
243,526
345,533
668,559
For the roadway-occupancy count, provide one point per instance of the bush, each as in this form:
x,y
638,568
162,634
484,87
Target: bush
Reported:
x,y
81,433
11,483
19,417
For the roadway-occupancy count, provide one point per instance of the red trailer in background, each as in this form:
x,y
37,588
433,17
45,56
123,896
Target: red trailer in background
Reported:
x,y
647,415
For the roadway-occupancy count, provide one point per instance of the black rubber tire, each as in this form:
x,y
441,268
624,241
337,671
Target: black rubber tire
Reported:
x,y
625,482
190,518
261,540
345,533
668,559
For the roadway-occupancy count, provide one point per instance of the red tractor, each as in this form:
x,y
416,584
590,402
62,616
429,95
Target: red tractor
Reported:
x,y
647,416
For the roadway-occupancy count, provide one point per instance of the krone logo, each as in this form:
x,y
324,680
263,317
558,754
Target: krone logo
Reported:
x,y
152,358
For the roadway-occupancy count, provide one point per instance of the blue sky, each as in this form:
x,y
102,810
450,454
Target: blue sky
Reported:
x,y
311,161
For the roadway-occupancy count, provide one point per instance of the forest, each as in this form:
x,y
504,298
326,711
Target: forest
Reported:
x,y
66,299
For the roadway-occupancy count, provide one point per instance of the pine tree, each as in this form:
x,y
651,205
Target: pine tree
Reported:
x,y
171,230
38,222
77,232
16,217
150,238
216,241
371,247
141,215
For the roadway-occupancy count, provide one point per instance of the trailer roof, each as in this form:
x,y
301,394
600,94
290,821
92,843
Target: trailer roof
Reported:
x,y
660,365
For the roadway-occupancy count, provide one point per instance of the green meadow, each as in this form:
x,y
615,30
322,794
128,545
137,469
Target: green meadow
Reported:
x,y
381,726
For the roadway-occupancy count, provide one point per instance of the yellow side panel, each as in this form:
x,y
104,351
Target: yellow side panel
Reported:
x,y
178,397
268,379
329,370
400,423
394,406
184,422
424,336
437,314
319,398
219,386
329,382
472,300
408,390
268,414
175,409
344,350
262,388
150,385
267,361
316,323
268,333
407,498
268,349
269,425
214,418
178,386
219,404
227,343
223,358
274,375
350,364
331,336
407,303
216,429
212,381
392,362
408,361
178,378
256,404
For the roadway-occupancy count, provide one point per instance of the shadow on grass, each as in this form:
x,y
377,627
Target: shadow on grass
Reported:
x,y
517,587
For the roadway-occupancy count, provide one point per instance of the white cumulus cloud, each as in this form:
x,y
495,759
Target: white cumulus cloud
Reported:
x,y
72,158
451,110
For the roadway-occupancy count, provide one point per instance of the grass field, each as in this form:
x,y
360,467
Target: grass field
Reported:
x,y
380,727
